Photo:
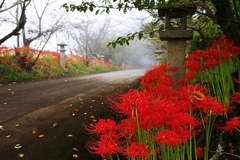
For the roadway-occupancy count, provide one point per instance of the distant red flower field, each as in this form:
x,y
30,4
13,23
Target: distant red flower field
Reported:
x,y
21,64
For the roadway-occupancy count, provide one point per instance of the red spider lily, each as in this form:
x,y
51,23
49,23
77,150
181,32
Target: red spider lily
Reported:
x,y
20,56
182,119
211,106
168,137
4,49
127,127
195,60
210,63
187,78
28,61
222,43
236,97
155,77
173,68
161,92
50,76
18,67
183,123
225,55
4,61
234,50
13,64
131,99
231,125
163,112
236,80
193,65
107,145
138,151
200,152
102,126
183,133
187,92
221,49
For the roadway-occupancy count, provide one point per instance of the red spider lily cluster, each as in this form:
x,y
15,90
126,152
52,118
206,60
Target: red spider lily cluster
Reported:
x,y
168,114
30,54
22,60
220,57
162,113
221,50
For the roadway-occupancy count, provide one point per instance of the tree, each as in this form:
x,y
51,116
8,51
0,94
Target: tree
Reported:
x,y
225,14
36,30
21,21
88,36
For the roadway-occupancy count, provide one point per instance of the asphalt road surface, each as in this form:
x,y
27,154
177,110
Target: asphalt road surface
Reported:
x,y
42,120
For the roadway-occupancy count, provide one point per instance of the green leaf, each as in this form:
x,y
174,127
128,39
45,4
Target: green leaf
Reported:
x,y
102,11
152,4
114,45
91,8
127,42
120,6
107,10
151,34
96,13
140,35
146,2
161,27
65,6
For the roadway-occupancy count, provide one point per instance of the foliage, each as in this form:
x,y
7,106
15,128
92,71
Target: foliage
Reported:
x,y
205,29
14,65
166,119
209,23
128,5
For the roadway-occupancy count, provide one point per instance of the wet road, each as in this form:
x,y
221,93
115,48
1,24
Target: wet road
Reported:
x,y
55,109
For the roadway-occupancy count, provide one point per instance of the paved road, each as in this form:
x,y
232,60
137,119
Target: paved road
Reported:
x,y
64,102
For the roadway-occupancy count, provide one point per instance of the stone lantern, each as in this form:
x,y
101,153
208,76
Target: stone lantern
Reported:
x,y
176,35
62,54
93,59
102,58
158,56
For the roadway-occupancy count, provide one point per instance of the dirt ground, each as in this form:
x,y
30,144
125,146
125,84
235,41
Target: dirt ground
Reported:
x,y
55,133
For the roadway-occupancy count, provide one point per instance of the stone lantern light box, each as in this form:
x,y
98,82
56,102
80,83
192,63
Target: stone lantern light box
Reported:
x,y
176,35
159,56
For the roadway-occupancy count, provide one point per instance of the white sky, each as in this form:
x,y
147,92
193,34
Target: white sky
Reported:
x,y
124,23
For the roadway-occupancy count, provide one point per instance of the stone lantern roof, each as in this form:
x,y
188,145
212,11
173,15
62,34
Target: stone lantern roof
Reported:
x,y
179,12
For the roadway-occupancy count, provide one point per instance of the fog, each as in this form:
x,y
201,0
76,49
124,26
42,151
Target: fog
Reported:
x,y
139,53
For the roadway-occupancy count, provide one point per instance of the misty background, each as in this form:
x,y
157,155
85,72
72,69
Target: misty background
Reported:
x,y
85,34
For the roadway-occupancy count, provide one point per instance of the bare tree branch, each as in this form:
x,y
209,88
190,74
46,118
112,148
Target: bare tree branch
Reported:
x,y
2,4
40,32
22,20
14,4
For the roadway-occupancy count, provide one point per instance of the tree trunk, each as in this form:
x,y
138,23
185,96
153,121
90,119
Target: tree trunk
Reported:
x,y
226,20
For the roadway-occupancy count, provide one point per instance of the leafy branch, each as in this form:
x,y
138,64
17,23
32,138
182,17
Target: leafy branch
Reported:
x,y
125,6
131,36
